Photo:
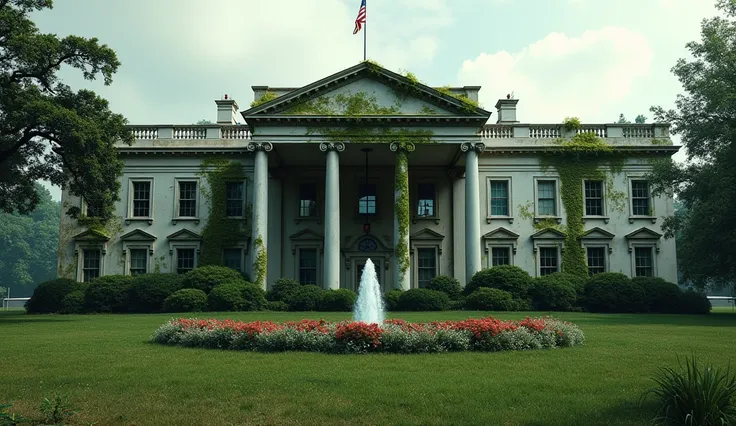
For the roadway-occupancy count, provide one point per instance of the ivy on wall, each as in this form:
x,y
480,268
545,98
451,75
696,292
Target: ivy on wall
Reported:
x,y
266,97
401,186
220,231
260,264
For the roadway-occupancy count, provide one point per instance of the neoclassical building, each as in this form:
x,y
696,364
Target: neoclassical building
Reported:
x,y
367,163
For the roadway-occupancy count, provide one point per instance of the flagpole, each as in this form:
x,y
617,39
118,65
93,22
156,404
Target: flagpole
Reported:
x,y
365,27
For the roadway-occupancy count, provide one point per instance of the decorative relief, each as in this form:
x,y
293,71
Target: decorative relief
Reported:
x,y
403,146
332,146
260,146
478,147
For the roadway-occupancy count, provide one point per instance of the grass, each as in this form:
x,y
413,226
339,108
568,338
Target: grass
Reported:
x,y
113,376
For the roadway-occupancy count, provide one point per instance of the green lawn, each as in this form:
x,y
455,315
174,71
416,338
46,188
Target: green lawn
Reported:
x,y
109,371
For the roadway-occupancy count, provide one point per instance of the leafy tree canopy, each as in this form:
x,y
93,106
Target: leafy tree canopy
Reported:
x,y
640,119
705,117
47,130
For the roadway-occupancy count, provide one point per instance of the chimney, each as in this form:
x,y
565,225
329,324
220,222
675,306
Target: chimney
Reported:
x,y
227,111
507,110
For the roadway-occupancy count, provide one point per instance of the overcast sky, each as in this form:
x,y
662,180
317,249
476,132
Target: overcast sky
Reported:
x,y
592,59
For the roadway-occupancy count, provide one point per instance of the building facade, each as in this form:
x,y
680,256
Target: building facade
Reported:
x,y
367,163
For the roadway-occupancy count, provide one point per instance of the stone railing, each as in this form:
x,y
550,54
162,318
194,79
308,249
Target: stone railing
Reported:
x,y
206,131
554,131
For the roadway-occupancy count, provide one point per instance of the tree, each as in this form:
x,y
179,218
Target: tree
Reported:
x,y
204,121
705,117
29,245
640,119
47,130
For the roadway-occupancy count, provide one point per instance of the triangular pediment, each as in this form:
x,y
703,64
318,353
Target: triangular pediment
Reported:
x,y
366,90
548,234
138,235
91,235
427,234
597,234
184,235
306,235
501,233
643,233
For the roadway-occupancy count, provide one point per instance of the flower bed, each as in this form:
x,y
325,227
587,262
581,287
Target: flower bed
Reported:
x,y
395,336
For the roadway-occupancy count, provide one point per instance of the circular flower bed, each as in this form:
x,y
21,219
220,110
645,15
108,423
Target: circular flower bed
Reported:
x,y
395,336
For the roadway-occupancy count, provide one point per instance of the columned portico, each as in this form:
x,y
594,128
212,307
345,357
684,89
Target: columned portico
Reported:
x,y
260,211
472,208
401,214
332,214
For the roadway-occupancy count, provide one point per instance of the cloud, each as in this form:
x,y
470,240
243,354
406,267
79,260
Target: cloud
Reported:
x,y
561,75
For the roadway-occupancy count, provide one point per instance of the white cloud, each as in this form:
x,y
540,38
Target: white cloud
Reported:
x,y
560,75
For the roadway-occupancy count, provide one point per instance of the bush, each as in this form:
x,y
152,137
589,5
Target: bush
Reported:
x,y
282,289
109,293
186,300
456,305
305,298
614,292
448,285
553,293
148,291
73,303
422,299
254,298
48,295
489,299
504,277
341,300
206,278
391,299
660,296
226,296
276,306
692,302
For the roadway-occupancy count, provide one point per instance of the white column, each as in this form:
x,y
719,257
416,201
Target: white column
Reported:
x,y
332,214
402,278
472,209
260,212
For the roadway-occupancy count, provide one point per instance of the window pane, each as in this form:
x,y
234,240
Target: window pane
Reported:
x,y
547,260
234,199
308,266
499,198
90,264
596,260
232,258
546,198
500,256
640,197
594,198
184,260
308,200
187,199
426,266
426,197
367,199
643,261
141,199
138,261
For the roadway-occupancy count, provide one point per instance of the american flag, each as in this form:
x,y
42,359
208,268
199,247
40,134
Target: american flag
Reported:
x,y
360,20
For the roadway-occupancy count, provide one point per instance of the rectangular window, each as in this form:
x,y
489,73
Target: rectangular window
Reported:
x,y
308,266
596,260
593,198
546,198
187,199
500,256
141,199
367,200
91,265
643,261
426,196
138,261
184,260
547,260
640,197
308,200
426,266
233,259
499,198
234,199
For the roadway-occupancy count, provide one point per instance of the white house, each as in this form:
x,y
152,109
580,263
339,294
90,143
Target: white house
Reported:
x,y
367,163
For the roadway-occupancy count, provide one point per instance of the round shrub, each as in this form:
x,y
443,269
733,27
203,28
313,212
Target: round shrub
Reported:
x,y
186,300
489,299
660,296
276,306
206,278
282,289
504,277
448,285
48,295
391,299
148,291
73,303
614,292
254,298
341,300
553,292
457,304
226,296
692,302
422,299
305,298
109,293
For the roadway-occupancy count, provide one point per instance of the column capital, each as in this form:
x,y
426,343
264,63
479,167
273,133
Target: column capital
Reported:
x,y
332,146
260,146
478,147
402,146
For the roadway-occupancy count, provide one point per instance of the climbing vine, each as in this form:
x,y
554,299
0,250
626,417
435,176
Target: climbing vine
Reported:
x,y
220,231
344,104
266,97
401,186
260,264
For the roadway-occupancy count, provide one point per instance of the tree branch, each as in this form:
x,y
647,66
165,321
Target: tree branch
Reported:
x,y
27,136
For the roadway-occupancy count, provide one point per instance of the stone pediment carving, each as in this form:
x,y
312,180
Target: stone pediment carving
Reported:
x,y
306,235
364,242
91,235
643,233
597,234
501,233
548,234
427,234
138,235
184,235
365,90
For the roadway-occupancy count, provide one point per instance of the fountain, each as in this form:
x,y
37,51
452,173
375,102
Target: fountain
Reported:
x,y
369,306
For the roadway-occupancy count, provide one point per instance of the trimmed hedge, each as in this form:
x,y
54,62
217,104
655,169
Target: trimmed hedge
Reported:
x,y
504,277
422,299
207,277
73,303
553,292
391,299
490,299
305,298
148,291
226,297
47,296
254,298
692,302
341,300
282,289
186,300
109,294
614,292
661,296
447,285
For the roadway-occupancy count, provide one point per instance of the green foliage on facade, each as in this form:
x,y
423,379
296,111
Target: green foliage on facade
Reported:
x,y
344,104
260,265
386,135
469,105
571,124
266,97
401,186
220,231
